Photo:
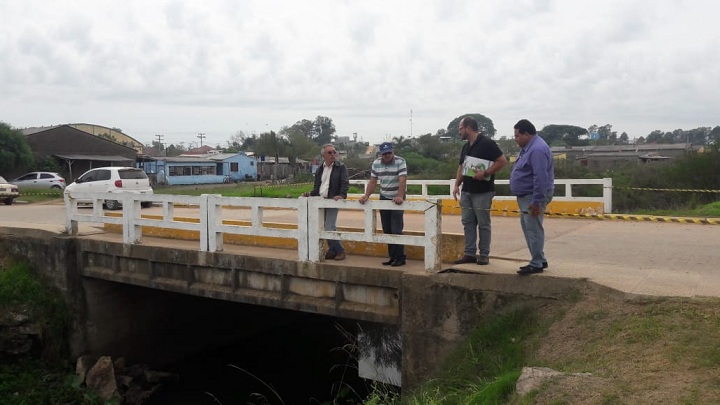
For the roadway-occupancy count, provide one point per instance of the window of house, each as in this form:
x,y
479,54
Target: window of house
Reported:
x,y
234,167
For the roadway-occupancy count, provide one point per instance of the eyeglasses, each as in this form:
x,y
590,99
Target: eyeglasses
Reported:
x,y
387,153
331,152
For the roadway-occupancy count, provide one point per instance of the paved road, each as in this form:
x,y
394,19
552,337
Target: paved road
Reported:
x,y
649,258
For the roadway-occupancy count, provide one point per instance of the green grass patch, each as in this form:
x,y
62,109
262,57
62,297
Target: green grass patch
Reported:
x,y
44,377
31,381
484,370
245,190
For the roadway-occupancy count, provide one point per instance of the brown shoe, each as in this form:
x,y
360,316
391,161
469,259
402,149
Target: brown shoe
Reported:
x,y
340,256
330,255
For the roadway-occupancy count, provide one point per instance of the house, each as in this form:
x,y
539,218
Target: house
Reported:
x,y
77,151
213,168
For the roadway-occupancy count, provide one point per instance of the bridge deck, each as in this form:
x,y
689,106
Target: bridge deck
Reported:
x,y
664,259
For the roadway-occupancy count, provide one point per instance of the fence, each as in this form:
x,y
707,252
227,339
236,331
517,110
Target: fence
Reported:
x,y
568,196
211,227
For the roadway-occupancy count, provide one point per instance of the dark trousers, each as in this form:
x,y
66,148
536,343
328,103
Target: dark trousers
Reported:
x,y
392,223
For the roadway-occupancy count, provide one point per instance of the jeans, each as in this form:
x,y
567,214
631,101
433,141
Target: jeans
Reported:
x,y
393,223
533,229
331,214
475,217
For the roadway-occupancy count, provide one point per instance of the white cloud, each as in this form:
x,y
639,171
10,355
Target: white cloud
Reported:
x,y
178,68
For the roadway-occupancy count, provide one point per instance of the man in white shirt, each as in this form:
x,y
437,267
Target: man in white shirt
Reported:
x,y
331,181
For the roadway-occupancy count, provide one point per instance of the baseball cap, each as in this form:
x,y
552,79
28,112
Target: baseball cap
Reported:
x,y
386,147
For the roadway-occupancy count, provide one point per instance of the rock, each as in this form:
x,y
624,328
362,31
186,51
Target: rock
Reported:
x,y
83,365
101,378
17,333
10,318
155,377
533,377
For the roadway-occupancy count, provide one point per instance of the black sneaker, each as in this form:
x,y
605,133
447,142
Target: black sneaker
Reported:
x,y
483,260
545,265
526,270
465,259
389,262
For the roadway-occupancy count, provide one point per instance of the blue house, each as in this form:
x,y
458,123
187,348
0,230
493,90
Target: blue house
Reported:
x,y
202,169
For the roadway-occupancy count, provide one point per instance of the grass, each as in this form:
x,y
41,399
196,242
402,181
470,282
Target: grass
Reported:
x,y
642,350
484,369
711,210
43,377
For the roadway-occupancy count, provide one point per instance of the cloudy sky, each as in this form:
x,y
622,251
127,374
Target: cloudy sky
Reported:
x,y
179,68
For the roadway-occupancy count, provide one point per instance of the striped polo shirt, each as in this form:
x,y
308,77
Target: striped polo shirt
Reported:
x,y
388,175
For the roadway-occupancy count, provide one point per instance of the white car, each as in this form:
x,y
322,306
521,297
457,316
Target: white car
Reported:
x,y
8,192
112,180
40,180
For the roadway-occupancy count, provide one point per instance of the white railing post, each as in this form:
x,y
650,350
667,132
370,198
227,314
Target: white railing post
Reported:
x,y
451,183
607,194
433,234
210,217
131,231
313,229
303,239
71,225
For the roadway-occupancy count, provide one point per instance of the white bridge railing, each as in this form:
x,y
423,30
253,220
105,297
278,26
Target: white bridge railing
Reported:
x,y
310,220
605,199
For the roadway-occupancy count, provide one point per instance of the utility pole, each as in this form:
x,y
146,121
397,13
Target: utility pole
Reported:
x,y
160,145
201,136
410,123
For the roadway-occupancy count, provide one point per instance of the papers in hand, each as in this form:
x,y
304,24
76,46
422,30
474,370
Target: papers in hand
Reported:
x,y
473,165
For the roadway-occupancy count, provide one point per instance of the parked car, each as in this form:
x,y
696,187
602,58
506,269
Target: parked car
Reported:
x,y
40,180
112,180
8,192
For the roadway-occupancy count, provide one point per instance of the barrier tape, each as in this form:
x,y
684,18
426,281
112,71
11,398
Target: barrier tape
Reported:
x,y
668,189
283,185
57,193
624,217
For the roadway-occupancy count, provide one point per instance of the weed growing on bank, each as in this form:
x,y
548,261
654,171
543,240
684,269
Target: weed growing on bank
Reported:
x,y
484,369
41,377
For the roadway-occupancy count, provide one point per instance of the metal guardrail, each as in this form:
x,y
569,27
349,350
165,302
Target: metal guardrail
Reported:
x,y
310,231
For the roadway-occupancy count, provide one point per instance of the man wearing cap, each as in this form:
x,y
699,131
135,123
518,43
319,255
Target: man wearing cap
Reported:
x,y
480,159
391,172
331,181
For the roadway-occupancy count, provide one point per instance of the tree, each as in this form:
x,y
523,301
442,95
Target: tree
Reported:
x,y
624,139
402,144
298,144
323,130
563,134
485,124
430,146
15,152
236,141
714,136
270,144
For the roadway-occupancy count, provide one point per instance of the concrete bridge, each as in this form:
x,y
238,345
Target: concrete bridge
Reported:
x,y
245,258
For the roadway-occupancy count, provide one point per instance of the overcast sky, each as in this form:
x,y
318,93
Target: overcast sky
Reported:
x,y
179,68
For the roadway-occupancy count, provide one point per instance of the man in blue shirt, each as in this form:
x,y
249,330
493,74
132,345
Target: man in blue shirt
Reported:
x,y
532,180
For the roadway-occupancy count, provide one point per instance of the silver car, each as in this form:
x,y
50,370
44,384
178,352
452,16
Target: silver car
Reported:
x,y
40,180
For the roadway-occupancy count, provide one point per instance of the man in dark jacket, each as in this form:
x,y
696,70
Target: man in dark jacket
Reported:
x,y
331,181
